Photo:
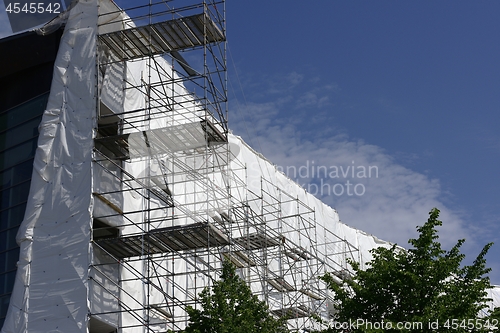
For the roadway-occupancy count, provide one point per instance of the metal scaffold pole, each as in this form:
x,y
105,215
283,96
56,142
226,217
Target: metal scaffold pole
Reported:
x,y
172,199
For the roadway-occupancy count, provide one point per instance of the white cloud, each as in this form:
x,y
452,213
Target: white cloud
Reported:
x,y
394,200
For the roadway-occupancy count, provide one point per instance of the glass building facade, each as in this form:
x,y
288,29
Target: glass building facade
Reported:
x,y
18,142
25,77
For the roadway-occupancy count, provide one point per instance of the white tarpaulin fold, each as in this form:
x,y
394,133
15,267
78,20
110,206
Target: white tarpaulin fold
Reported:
x,y
50,291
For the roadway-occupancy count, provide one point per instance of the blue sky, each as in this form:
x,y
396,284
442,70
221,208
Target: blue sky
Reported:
x,y
411,88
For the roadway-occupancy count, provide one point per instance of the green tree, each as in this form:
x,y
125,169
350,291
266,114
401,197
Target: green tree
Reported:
x,y
424,284
495,317
230,307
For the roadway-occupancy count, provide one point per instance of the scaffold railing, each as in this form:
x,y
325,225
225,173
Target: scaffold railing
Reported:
x,y
171,198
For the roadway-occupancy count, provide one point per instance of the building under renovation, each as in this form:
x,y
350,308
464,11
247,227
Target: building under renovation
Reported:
x,y
139,191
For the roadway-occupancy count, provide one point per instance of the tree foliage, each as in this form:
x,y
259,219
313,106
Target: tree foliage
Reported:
x,y
495,314
230,307
424,284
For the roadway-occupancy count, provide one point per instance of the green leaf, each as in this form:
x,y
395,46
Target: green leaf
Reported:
x,y
230,307
424,284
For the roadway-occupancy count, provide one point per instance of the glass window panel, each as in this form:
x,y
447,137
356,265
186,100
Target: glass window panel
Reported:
x,y
6,178
11,278
8,240
12,259
4,198
18,154
12,217
16,174
4,220
11,238
3,263
4,305
19,114
20,133
14,195
17,215
3,241
7,282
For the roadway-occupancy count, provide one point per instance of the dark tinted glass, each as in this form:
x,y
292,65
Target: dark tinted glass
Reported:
x,y
7,242
23,112
16,135
18,154
18,142
8,261
16,174
14,195
12,216
7,282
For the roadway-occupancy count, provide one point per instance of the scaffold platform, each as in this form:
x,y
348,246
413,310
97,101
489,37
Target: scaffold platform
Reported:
x,y
165,240
163,37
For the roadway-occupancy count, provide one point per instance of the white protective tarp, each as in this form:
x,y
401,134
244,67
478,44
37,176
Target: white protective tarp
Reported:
x,y
50,291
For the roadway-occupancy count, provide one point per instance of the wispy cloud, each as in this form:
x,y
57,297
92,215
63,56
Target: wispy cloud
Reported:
x,y
295,132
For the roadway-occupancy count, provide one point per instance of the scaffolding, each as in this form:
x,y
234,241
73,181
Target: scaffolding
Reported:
x,y
171,198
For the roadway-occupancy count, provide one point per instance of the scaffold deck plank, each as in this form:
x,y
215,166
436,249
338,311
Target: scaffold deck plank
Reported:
x,y
161,140
239,259
163,37
257,241
292,312
164,240
281,284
